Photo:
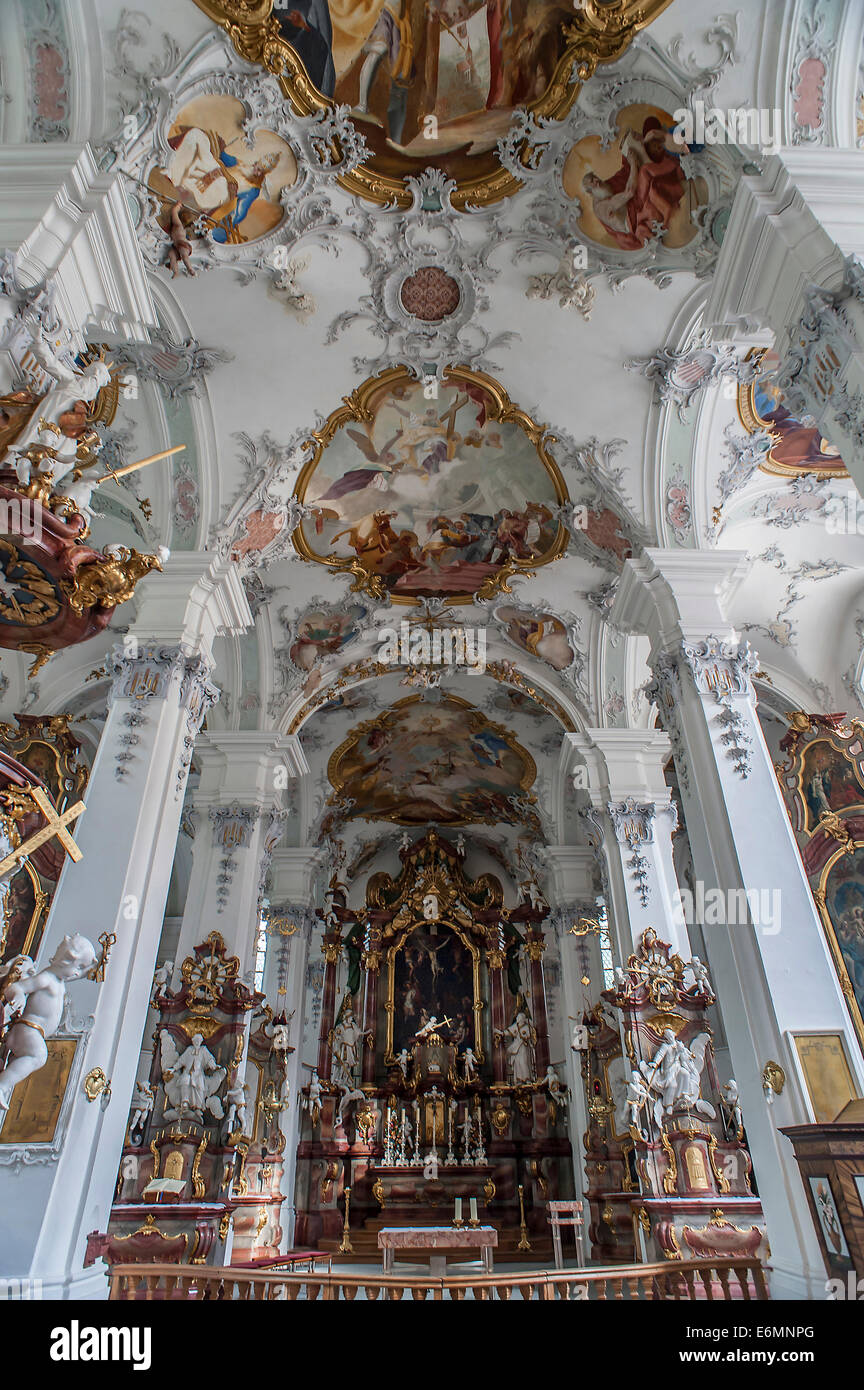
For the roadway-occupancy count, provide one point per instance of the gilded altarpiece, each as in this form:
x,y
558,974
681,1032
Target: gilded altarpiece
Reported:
x,y
432,1082
191,1164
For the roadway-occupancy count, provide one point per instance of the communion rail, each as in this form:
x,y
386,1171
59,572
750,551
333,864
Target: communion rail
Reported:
x,y
684,1280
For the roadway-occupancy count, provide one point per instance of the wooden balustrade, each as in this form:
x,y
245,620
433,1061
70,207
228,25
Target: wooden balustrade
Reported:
x,y
679,1280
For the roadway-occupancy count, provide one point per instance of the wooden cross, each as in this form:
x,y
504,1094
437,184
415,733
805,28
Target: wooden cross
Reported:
x,y
56,825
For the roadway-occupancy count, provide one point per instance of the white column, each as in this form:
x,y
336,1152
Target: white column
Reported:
x,y
633,812
241,819
770,965
160,694
293,875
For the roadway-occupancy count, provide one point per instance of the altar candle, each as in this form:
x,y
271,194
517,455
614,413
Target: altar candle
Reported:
x,y
457,1209
473,1208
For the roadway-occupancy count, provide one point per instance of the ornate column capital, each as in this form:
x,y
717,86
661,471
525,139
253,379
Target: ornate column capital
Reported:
x,y
633,821
145,669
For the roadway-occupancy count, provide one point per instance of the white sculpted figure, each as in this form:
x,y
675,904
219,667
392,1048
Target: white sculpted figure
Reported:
x,y
520,1048
531,892
346,1042
36,1004
469,1063
43,430
701,983
236,1098
313,1103
431,910
161,979
637,1095
142,1104
733,1106
554,1087
428,1027
674,1073
191,1079
404,1060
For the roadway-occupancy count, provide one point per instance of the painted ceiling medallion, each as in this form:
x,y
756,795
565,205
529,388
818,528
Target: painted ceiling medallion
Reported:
x,y
441,761
433,83
431,496
797,446
430,294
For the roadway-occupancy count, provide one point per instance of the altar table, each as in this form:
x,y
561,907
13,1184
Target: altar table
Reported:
x,y
437,1240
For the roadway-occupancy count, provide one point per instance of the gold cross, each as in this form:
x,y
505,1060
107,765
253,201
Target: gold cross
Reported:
x,y
56,825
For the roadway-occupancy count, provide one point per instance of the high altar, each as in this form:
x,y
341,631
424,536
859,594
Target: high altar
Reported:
x,y
433,1081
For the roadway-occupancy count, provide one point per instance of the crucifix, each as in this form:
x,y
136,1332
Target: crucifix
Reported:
x,y
55,825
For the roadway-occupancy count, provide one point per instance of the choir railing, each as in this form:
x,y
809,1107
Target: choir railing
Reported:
x,y
685,1280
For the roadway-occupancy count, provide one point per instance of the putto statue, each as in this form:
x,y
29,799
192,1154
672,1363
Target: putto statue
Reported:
x,y
191,1079
142,1104
35,1003
236,1098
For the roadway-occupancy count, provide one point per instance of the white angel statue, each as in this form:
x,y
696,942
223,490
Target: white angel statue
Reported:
x,y
674,1073
191,1079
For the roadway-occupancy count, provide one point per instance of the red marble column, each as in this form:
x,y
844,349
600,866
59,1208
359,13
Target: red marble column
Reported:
x,y
495,966
332,948
372,971
535,945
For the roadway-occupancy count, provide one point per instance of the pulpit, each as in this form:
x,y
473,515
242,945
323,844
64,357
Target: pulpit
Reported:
x,y
831,1160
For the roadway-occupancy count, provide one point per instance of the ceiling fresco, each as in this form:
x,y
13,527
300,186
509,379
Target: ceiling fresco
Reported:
x,y
217,178
435,760
433,82
797,446
443,495
635,188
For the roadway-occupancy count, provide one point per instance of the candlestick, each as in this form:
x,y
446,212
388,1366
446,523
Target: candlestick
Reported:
x,y
346,1248
457,1211
524,1242
473,1218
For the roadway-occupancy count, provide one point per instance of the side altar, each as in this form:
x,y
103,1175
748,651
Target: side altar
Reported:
x,y
433,1082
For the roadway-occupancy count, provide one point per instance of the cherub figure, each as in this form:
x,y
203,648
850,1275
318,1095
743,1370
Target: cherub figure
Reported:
x,y
637,1094
469,1063
236,1098
161,980
404,1060
36,1002
181,247
557,1092
142,1104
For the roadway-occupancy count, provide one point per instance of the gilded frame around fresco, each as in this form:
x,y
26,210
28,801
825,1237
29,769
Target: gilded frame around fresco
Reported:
x,y
337,778
753,422
360,407
821,898
599,33
390,1001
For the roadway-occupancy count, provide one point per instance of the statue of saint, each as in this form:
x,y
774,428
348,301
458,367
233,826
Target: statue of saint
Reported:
x,y
191,1079
674,1072
520,1048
